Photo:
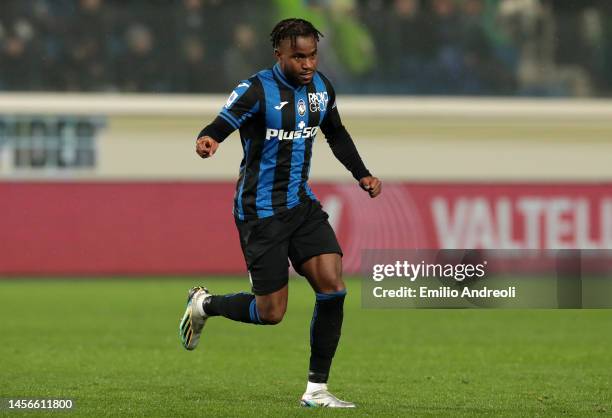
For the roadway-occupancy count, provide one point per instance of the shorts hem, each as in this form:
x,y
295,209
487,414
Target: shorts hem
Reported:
x,y
314,254
277,286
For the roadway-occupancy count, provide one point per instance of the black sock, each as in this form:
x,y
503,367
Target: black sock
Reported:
x,y
235,306
325,333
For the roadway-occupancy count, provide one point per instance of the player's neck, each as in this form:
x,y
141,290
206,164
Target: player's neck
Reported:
x,y
285,79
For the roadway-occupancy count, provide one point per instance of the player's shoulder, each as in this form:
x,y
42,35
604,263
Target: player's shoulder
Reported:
x,y
259,78
247,82
267,74
249,87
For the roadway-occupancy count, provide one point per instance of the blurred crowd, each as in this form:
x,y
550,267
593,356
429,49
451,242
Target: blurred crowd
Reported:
x,y
475,47
188,46
507,47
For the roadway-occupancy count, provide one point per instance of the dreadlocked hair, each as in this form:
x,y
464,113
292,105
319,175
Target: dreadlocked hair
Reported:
x,y
292,28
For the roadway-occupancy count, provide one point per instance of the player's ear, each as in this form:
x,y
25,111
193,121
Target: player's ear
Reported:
x,y
277,53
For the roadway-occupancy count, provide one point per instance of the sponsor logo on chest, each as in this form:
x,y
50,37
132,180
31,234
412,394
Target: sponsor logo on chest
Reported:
x,y
318,101
282,135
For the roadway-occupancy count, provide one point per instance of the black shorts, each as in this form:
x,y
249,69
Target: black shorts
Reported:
x,y
296,234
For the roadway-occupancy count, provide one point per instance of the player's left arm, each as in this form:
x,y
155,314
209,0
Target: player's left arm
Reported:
x,y
345,151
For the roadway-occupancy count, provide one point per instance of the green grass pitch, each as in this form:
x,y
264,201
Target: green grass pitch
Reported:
x,y
112,346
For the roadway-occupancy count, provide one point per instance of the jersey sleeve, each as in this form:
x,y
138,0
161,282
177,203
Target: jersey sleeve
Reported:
x,y
340,140
242,104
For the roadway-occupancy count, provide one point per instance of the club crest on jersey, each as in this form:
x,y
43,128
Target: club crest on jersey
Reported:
x,y
318,101
301,107
282,135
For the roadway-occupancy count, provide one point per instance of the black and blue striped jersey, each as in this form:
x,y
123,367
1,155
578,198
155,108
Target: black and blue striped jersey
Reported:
x,y
278,123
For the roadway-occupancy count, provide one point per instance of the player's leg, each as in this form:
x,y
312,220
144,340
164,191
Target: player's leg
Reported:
x,y
268,273
316,254
265,306
324,273
265,249
250,308
244,307
271,308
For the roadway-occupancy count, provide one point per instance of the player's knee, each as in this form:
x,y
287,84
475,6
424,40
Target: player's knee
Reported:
x,y
273,315
332,280
337,284
271,318
340,289
332,284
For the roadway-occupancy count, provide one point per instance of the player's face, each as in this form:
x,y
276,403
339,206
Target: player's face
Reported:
x,y
298,62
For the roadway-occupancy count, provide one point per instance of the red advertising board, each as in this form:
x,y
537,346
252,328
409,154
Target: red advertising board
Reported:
x,y
186,228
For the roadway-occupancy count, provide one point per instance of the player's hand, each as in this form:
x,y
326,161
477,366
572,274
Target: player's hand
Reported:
x,y
372,185
206,146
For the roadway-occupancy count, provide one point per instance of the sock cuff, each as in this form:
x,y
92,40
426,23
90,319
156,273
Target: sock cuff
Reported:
x,y
333,295
254,315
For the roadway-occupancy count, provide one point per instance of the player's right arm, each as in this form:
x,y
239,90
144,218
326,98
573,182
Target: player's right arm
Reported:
x,y
241,105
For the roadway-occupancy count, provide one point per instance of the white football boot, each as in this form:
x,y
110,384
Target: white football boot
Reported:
x,y
194,318
323,399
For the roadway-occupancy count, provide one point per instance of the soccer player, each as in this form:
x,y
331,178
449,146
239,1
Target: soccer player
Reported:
x,y
278,112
